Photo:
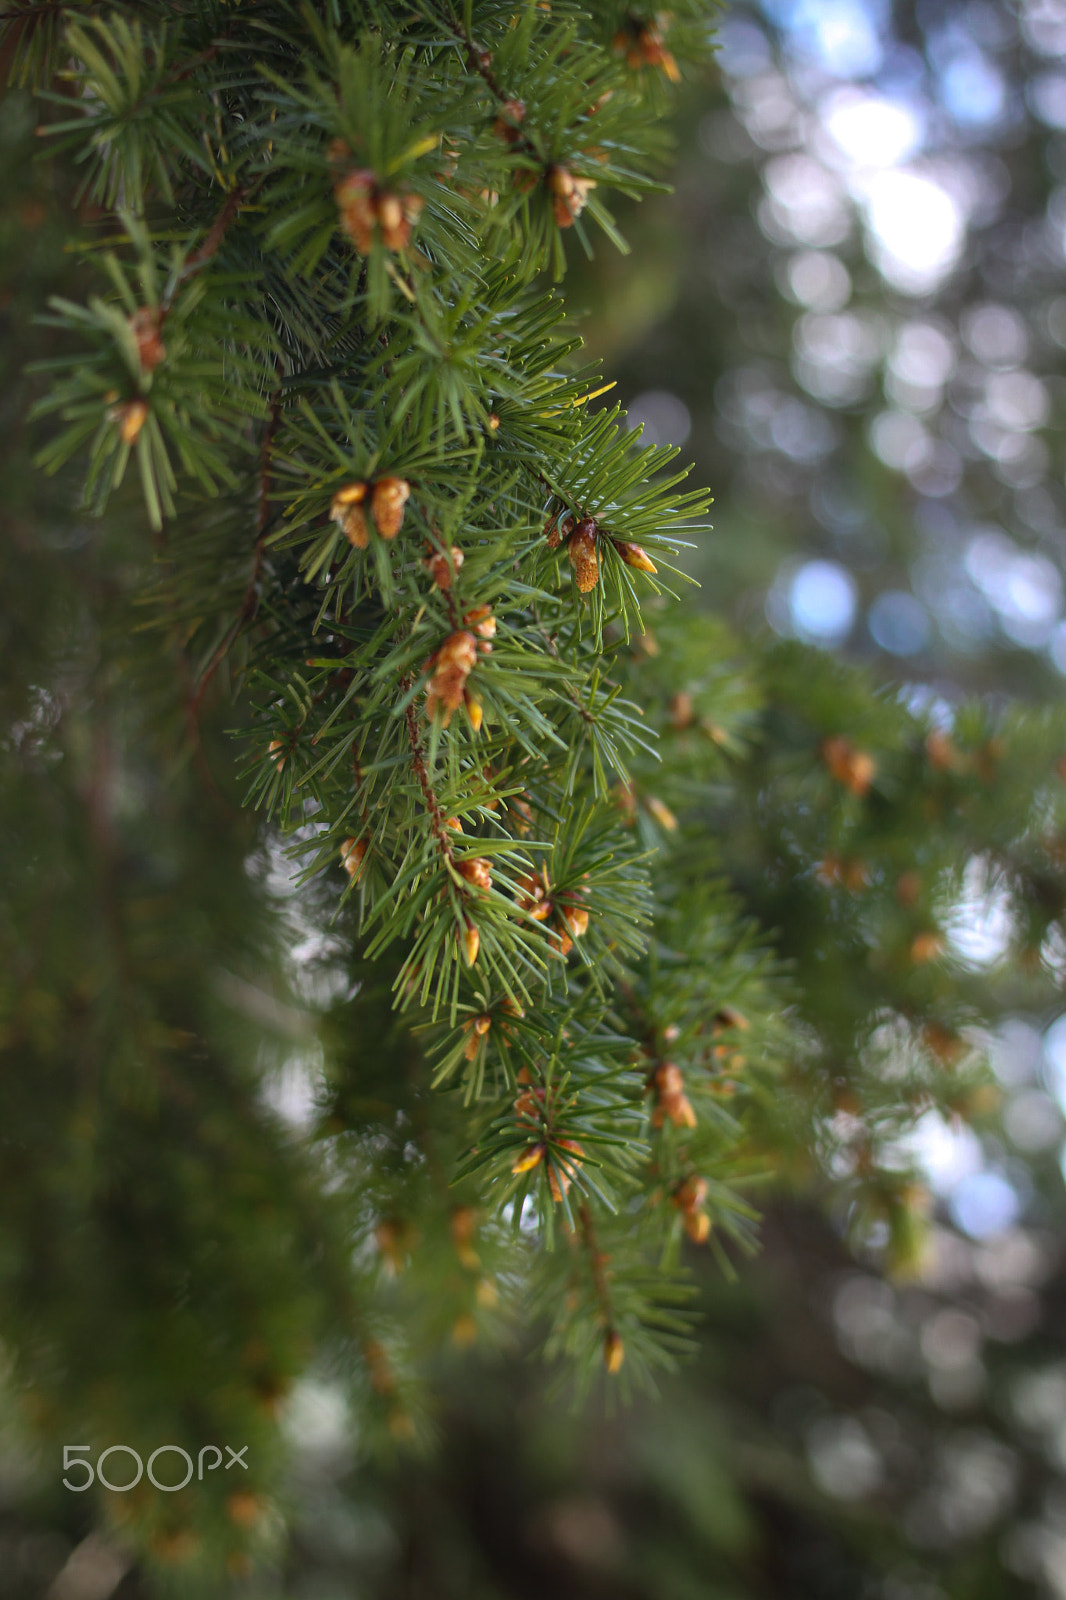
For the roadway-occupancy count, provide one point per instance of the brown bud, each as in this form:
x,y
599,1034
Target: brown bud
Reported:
x,y
614,1352
561,1169
511,114
243,1508
581,548
528,1158
926,946
352,853
576,919
475,870
662,813
697,1225
354,194
853,768
131,418
346,510
682,711
471,943
453,664
692,1194
144,325
559,528
943,753
481,619
474,710
387,500
443,568
634,556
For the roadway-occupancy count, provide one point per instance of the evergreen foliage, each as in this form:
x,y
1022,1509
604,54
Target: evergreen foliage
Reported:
x,y
546,834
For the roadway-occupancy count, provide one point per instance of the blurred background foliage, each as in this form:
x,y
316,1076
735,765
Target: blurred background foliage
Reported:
x,y
851,311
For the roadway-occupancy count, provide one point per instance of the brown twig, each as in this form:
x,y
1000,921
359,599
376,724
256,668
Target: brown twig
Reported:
x,y
433,805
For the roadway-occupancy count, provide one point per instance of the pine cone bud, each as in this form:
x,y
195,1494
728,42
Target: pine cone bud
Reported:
x,y
511,114
452,664
481,619
244,1509
346,510
443,568
692,1194
943,753
131,418
354,194
144,325
528,1158
387,500
576,919
855,769
662,814
581,548
926,946
697,1225
561,1169
569,195
471,942
474,710
634,556
352,853
475,870
560,527
614,1352
682,710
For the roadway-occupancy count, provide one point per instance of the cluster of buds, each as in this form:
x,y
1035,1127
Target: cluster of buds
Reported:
x,y
533,1106
641,42
353,852
670,1098
581,539
387,498
690,1198
452,665
444,566
570,917
853,768
569,195
369,211
145,325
